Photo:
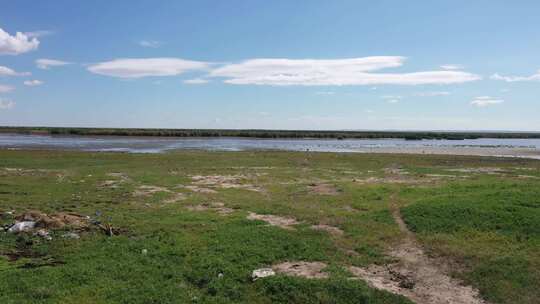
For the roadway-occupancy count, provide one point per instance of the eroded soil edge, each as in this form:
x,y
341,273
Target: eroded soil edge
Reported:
x,y
415,275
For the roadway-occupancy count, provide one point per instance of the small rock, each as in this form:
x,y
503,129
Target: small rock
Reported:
x,y
220,275
23,226
71,235
42,233
144,251
262,273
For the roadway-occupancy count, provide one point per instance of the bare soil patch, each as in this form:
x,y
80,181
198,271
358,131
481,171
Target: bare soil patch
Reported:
x,y
274,220
216,206
199,189
176,197
393,180
147,190
487,170
310,270
119,178
56,220
335,231
26,172
446,176
224,182
395,171
350,208
417,276
323,189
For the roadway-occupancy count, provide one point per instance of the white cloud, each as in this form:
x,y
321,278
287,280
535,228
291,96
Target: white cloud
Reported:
x,y
6,104
5,71
143,67
18,44
195,81
432,94
6,88
33,83
325,93
150,43
452,67
484,101
534,77
315,72
45,63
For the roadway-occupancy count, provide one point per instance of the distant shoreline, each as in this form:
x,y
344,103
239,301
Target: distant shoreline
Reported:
x,y
256,133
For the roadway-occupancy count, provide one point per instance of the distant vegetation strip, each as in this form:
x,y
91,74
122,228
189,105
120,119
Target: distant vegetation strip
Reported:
x,y
266,133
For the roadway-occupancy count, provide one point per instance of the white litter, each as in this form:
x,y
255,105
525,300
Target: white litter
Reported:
x,y
24,226
262,273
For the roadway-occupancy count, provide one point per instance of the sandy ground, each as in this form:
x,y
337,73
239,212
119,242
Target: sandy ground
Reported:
x,y
476,151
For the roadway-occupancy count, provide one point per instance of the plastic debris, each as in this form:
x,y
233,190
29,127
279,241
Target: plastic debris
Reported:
x,y
23,226
262,273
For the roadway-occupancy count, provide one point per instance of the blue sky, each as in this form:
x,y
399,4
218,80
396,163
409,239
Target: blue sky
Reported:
x,y
430,65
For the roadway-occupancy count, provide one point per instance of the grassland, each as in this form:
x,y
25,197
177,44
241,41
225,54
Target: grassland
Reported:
x,y
182,234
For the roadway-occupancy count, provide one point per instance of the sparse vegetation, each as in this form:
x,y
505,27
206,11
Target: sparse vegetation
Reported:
x,y
485,223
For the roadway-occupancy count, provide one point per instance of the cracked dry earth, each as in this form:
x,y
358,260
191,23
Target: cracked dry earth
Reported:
x,y
417,276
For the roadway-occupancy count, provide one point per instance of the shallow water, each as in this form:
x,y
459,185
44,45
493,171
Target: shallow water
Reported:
x,y
163,144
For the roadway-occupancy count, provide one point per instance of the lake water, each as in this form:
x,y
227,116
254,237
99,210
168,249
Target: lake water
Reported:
x,y
484,146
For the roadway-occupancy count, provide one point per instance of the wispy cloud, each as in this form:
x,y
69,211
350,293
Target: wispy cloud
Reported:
x,y
17,44
5,71
452,67
150,43
144,67
6,104
431,94
6,88
37,34
534,77
33,83
392,98
196,81
333,72
484,101
45,63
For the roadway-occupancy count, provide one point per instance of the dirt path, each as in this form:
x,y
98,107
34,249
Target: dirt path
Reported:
x,y
417,276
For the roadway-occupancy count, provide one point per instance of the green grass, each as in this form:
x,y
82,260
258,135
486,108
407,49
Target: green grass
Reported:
x,y
491,227
487,224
